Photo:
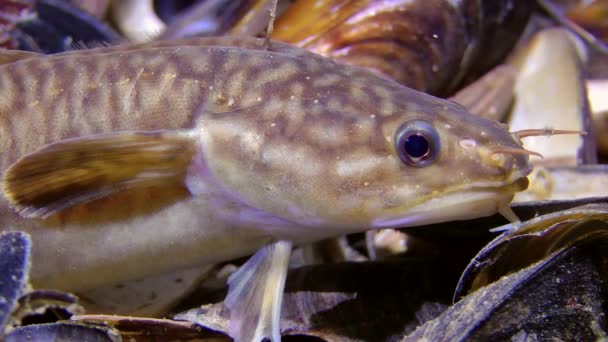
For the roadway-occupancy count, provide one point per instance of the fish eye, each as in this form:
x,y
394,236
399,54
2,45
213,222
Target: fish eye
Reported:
x,y
417,143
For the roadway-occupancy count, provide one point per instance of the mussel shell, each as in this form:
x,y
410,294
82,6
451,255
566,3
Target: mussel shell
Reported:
x,y
534,240
58,26
63,332
560,298
428,45
14,267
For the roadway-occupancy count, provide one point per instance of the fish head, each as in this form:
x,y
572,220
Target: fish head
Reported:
x,y
443,163
435,164
362,153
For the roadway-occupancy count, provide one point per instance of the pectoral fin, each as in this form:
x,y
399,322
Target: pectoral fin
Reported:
x,y
76,171
256,292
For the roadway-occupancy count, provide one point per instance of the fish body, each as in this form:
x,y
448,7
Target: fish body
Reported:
x,y
276,144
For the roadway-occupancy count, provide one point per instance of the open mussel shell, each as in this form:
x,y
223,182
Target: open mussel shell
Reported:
x,y
561,298
539,239
14,267
428,45
55,26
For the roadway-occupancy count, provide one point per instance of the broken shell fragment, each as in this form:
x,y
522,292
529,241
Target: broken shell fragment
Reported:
x,y
54,26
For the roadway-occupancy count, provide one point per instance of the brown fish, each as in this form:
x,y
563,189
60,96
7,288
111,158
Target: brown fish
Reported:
x,y
125,162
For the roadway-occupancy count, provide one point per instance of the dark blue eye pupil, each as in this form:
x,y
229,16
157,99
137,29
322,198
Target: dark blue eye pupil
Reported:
x,y
417,146
417,143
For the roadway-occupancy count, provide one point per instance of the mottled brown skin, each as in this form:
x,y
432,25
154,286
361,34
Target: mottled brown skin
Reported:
x,y
291,146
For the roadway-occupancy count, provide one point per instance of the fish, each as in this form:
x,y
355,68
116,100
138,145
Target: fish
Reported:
x,y
127,161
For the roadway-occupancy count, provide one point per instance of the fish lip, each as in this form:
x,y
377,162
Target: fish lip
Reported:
x,y
517,184
490,196
466,204
513,181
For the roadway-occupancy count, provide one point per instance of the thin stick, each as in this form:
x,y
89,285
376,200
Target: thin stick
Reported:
x,y
273,15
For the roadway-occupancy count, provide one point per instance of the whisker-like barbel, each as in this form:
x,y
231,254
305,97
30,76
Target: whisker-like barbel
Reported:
x,y
524,133
514,151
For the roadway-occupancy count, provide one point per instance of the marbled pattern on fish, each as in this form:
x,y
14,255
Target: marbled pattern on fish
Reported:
x,y
287,145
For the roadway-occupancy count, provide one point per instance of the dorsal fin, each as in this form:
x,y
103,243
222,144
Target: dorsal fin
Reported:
x,y
76,171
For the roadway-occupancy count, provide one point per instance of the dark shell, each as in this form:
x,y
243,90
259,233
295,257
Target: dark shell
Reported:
x,y
14,267
54,26
559,298
431,46
207,18
63,332
535,240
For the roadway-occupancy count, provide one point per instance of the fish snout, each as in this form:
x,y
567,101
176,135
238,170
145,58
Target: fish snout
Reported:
x,y
512,163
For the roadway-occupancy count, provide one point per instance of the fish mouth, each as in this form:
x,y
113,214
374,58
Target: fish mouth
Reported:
x,y
463,203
